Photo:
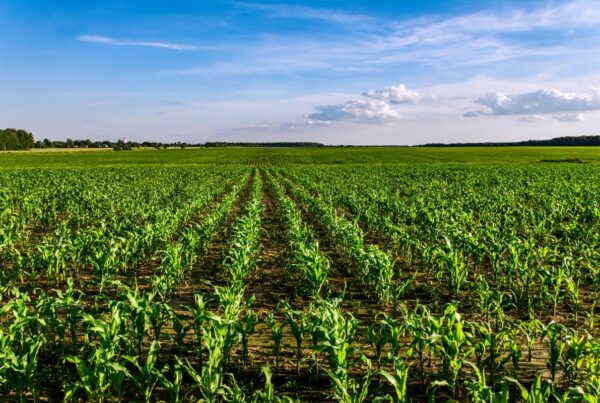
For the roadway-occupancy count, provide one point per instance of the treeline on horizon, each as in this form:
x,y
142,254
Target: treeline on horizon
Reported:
x,y
19,139
15,139
117,145
128,145
557,141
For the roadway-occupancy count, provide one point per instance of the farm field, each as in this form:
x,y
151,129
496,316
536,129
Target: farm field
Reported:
x,y
334,274
297,156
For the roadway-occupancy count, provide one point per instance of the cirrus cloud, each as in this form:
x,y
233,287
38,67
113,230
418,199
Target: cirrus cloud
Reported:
x,y
105,40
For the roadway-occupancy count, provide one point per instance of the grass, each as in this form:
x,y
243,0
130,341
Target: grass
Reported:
x,y
299,156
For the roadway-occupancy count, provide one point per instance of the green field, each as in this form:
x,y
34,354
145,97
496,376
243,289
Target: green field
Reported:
x,y
283,156
317,274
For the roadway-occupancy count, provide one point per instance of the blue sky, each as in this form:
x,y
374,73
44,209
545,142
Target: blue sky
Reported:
x,y
340,72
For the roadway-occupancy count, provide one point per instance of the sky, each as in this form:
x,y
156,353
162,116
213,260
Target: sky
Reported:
x,y
336,72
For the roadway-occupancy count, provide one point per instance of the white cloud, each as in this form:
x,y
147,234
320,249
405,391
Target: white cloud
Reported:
x,y
534,36
368,111
565,105
378,108
572,15
104,40
307,13
397,94
569,117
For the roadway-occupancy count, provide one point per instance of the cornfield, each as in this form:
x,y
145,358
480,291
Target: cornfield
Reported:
x,y
270,282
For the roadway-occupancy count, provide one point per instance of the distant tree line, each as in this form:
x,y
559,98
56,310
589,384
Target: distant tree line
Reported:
x,y
18,139
117,145
128,145
15,139
557,141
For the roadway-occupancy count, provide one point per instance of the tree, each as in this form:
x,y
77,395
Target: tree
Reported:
x,y
16,139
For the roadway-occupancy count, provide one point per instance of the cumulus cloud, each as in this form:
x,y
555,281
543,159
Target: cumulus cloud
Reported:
x,y
375,106
397,94
105,40
542,101
565,106
372,111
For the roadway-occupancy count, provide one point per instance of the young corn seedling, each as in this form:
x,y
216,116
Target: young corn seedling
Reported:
x,y
532,331
349,390
217,340
172,387
553,334
538,393
298,328
573,356
20,346
70,302
573,293
200,317
146,376
277,336
378,335
246,328
478,391
314,266
334,332
490,350
398,379
267,394
424,330
514,350
104,369
453,346
19,363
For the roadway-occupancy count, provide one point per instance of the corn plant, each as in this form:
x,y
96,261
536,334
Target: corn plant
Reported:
x,y
424,330
172,386
276,336
574,350
378,335
452,268
480,392
20,346
349,390
245,328
398,379
103,372
333,334
538,393
553,333
490,350
19,361
146,376
531,330
267,394
314,266
573,293
452,345
298,327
